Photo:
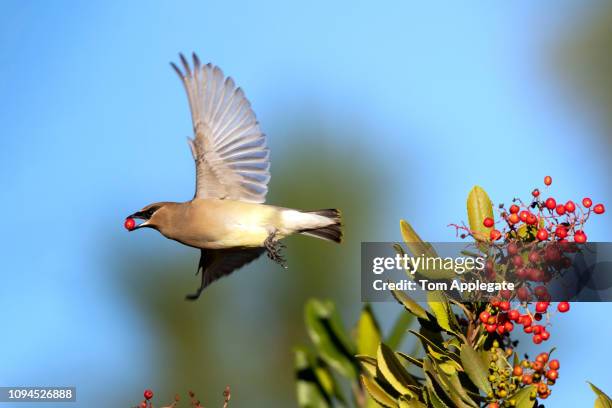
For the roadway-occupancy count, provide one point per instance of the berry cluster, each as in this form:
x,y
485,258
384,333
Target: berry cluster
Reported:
x,y
545,220
506,379
193,401
498,317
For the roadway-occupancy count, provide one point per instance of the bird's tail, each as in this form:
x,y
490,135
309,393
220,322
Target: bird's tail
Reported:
x,y
328,225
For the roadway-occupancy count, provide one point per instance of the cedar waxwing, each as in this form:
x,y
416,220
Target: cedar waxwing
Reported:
x,y
227,219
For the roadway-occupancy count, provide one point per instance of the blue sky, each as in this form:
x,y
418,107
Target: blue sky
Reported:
x,y
94,123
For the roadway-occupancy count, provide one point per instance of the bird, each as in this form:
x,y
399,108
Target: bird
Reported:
x,y
228,219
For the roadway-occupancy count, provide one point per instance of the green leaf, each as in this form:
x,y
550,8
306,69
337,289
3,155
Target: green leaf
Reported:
x,y
475,368
368,363
523,398
393,371
479,207
377,392
328,336
368,333
418,247
410,305
410,359
415,244
399,330
410,403
602,401
438,303
310,393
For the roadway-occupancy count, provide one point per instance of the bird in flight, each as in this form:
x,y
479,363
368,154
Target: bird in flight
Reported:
x,y
227,218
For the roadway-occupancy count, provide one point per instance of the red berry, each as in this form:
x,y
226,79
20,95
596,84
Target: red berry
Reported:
x,y
523,294
148,394
508,326
551,203
560,209
488,222
541,307
493,405
484,316
532,219
129,224
143,404
495,235
580,237
491,328
554,364
526,320
512,248
505,294
517,371
542,357
599,209
504,305
563,307
542,234
537,339
587,202
548,180
540,291
561,231
501,329
527,329
523,215
545,335
535,192
514,315
552,375
514,209
517,261
533,257
527,379
570,206
513,219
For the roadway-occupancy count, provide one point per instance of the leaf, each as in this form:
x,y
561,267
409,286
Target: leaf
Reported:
x,y
418,247
393,371
310,393
399,330
523,398
410,359
415,244
410,403
368,333
328,336
438,303
475,368
479,207
368,363
410,305
428,342
377,392
602,401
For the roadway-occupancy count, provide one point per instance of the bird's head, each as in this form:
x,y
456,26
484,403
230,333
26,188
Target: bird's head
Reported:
x,y
153,216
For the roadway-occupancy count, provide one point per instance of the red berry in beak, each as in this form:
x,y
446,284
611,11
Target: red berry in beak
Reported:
x,y
129,224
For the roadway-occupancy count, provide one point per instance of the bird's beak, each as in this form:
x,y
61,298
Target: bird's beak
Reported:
x,y
139,215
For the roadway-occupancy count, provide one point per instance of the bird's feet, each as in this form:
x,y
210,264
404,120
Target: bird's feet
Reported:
x,y
274,248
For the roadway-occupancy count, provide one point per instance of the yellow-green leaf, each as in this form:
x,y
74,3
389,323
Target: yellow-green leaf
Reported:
x,y
377,392
393,371
438,303
327,334
410,359
410,305
523,398
602,401
479,207
418,247
310,392
475,368
368,333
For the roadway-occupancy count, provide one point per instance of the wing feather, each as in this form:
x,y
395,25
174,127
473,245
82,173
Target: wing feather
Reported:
x,y
230,151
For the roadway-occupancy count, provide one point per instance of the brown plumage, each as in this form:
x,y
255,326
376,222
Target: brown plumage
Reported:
x,y
227,219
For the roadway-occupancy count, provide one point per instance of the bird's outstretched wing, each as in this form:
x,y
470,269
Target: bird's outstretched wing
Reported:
x,y
217,263
232,160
